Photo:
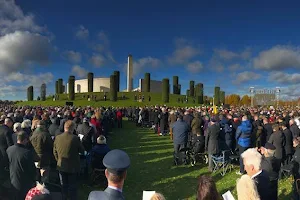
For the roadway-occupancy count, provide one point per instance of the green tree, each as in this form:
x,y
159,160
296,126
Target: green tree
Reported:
x,y
217,96
90,77
71,88
165,90
192,88
113,88
117,74
175,85
60,86
30,93
147,82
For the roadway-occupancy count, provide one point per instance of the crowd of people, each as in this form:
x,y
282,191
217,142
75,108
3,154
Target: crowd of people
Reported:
x,y
272,135
36,140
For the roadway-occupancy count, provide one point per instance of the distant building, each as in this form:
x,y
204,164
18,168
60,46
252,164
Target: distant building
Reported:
x,y
100,85
155,86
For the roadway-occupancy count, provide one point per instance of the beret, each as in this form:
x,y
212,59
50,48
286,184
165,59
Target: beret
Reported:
x,y
116,161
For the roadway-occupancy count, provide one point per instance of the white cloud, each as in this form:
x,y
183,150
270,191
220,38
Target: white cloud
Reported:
x,y
79,71
72,56
227,55
35,80
82,33
245,76
142,63
278,58
97,60
234,67
23,46
183,52
13,19
104,38
20,49
284,78
216,65
195,67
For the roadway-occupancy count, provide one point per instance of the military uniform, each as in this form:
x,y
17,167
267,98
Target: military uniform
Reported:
x,y
116,162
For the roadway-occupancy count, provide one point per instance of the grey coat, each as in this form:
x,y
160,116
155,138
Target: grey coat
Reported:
x,y
278,140
212,139
108,194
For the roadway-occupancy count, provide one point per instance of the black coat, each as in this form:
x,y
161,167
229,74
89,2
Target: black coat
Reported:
x,y
296,163
288,147
295,131
278,140
88,133
21,167
188,119
164,122
212,139
6,140
263,185
267,131
52,129
271,166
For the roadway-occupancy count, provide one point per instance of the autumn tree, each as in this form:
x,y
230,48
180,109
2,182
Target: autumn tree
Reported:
x,y
246,100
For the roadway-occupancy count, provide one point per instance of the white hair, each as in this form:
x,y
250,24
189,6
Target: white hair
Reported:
x,y
246,188
26,123
252,157
17,127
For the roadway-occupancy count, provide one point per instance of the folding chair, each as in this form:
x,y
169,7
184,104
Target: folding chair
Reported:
x,y
222,162
98,169
285,171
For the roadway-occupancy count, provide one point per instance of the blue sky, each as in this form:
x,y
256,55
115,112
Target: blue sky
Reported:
x,y
232,44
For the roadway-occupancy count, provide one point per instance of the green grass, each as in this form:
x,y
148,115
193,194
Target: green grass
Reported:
x,y
156,99
152,168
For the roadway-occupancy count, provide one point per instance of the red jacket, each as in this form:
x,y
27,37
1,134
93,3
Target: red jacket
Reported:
x,y
119,115
97,124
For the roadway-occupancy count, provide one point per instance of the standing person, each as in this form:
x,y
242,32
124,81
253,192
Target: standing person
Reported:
x,y
296,167
43,146
267,129
66,151
119,118
86,133
188,118
288,147
180,131
116,162
6,139
272,167
243,138
277,139
212,141
252,162
21,167
171,120
197,124
257,135
163,122
294,129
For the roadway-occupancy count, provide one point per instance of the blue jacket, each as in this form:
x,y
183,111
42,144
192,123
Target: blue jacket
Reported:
x,y
243,134
180,132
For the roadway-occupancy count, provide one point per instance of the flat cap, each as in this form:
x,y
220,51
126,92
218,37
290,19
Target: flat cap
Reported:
x,y
116,161
270,146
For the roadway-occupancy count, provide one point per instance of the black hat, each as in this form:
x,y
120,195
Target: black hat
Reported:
x,y
270,146
213,119
116,161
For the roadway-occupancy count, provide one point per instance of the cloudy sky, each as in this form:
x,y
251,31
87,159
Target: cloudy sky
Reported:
x,y
230,44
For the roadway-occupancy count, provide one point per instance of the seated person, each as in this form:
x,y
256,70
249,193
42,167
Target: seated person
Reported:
x,y
98,152
198,143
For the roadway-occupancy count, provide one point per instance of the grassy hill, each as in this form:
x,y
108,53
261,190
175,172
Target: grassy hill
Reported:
x,y
81,100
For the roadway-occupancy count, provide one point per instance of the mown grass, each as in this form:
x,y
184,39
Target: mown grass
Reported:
x,y
81,100
152,168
